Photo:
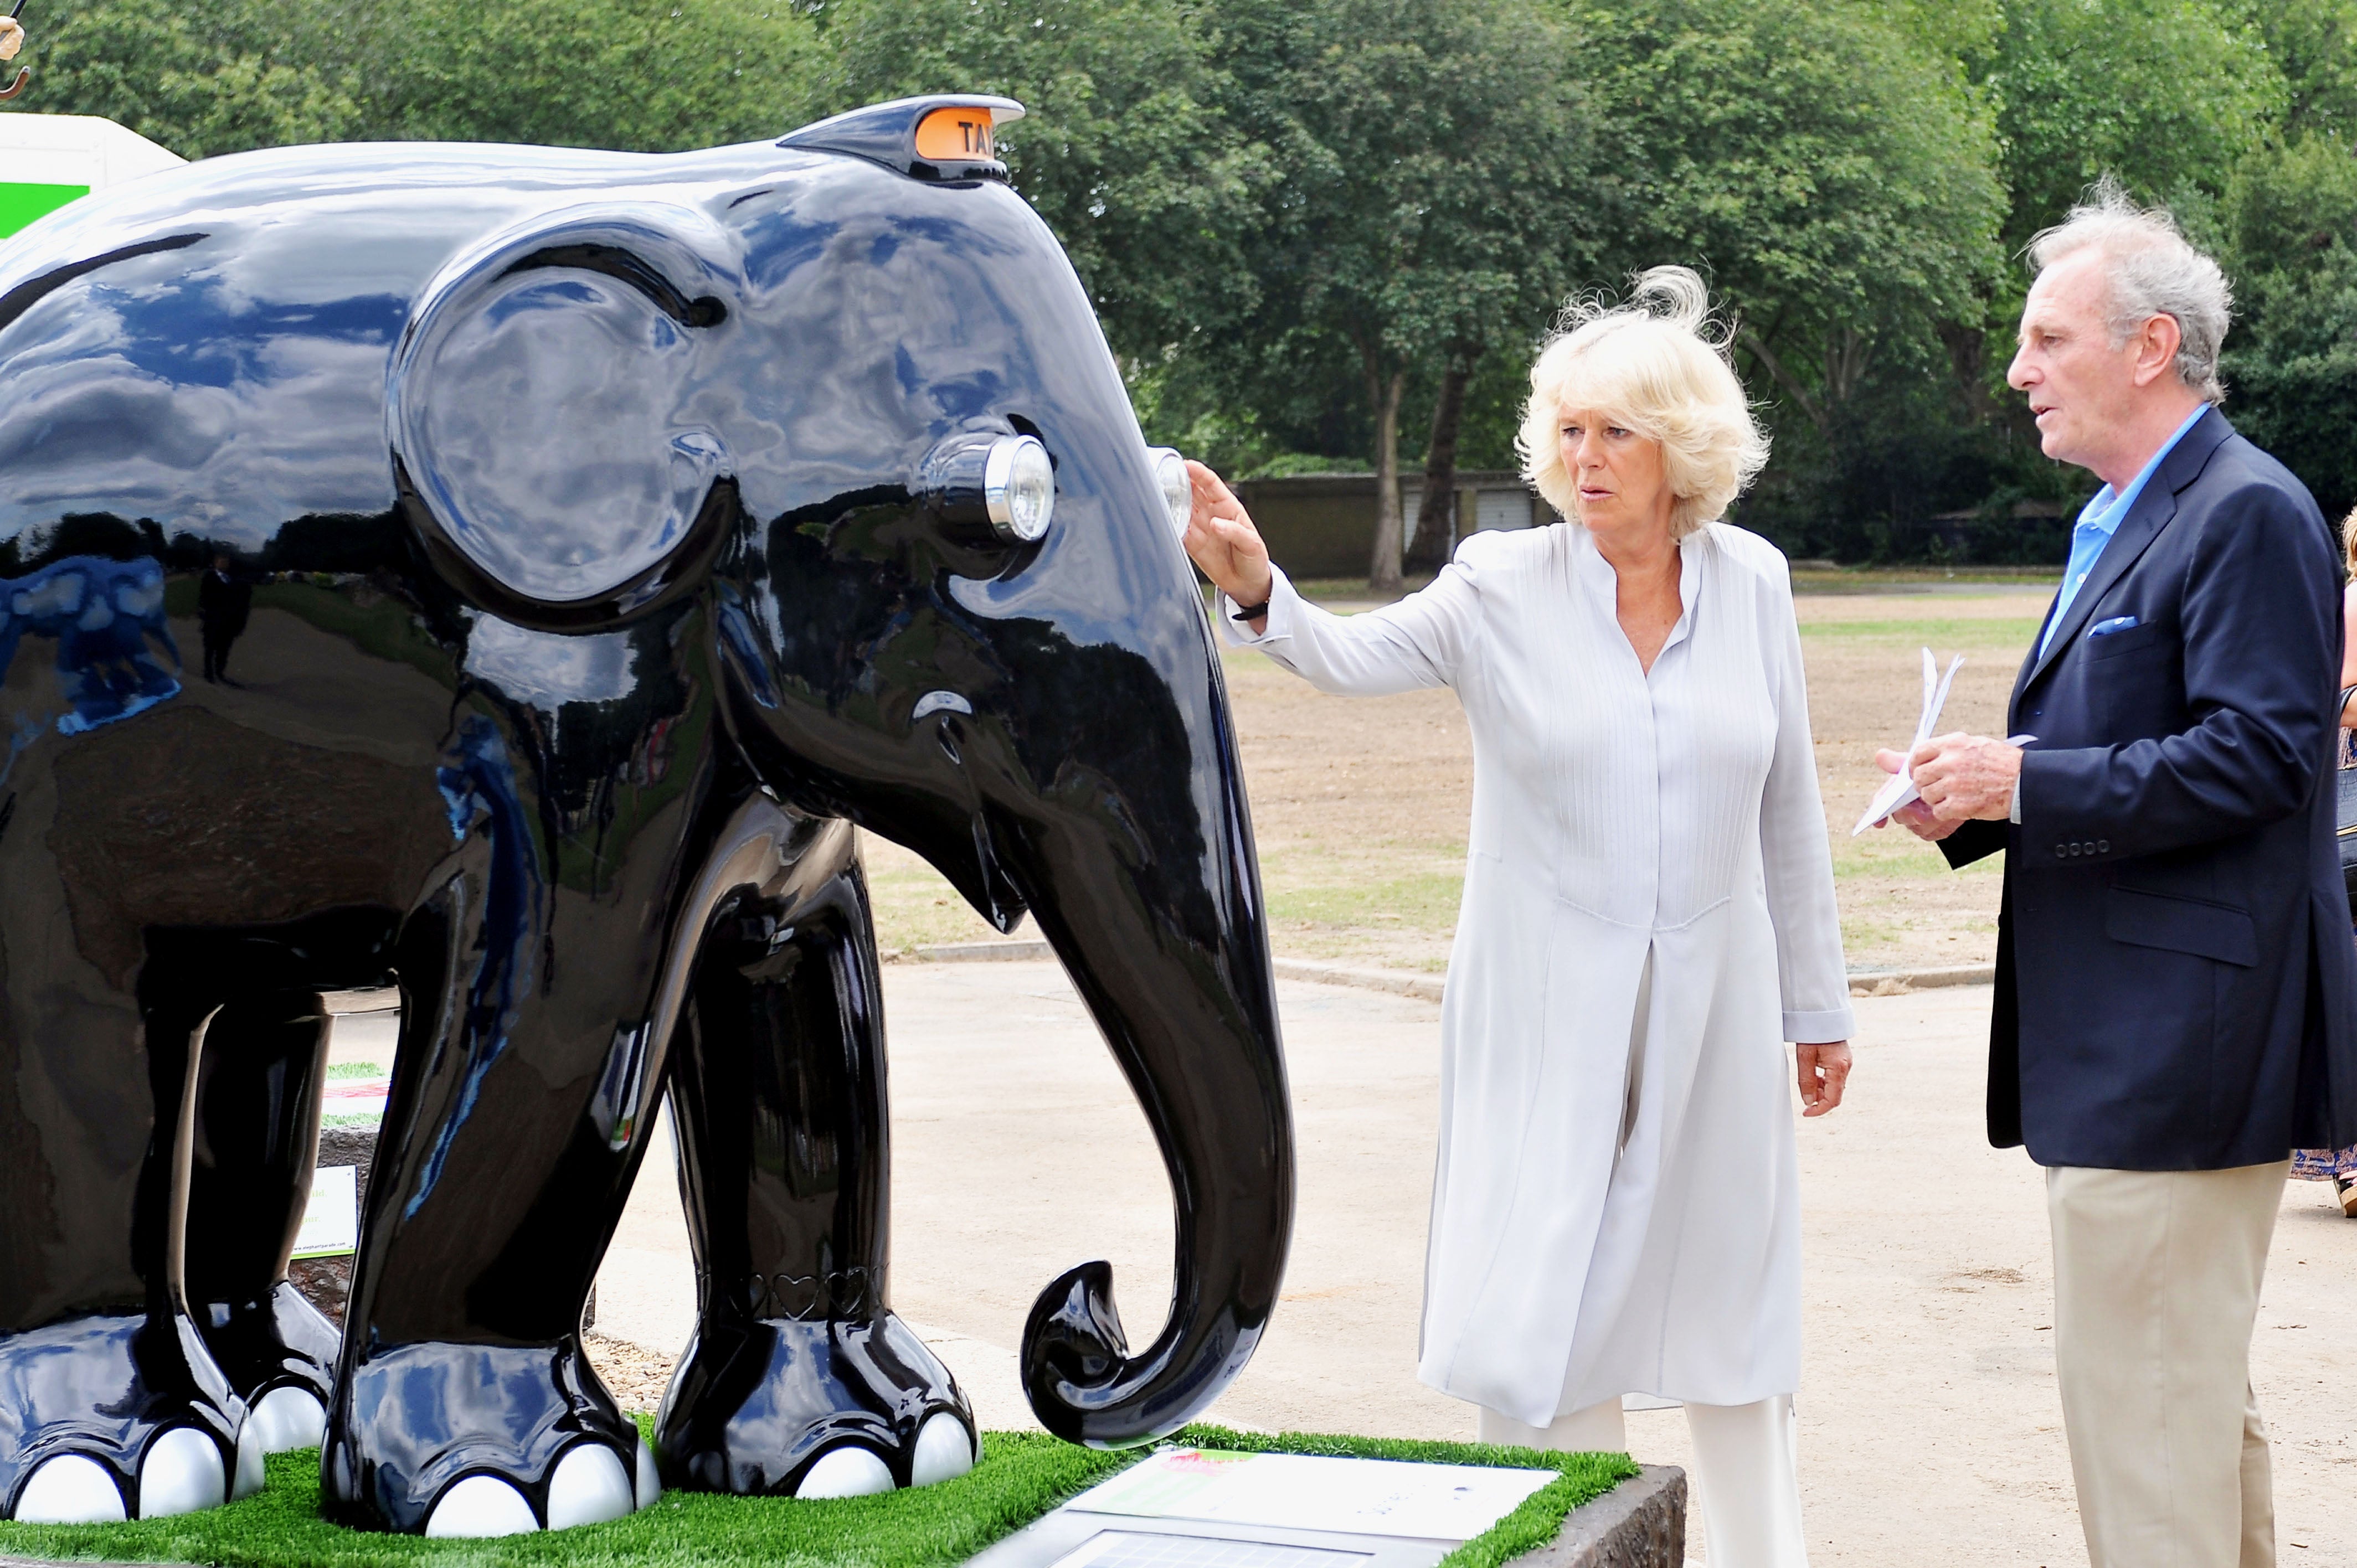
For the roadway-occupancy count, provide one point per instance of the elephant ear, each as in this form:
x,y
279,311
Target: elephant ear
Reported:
x,y
544,410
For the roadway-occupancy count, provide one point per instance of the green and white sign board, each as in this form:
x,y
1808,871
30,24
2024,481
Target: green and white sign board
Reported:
x,y
48,160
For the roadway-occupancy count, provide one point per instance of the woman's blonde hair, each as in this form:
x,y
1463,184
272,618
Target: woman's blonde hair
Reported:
x,y
1659,366
2349,540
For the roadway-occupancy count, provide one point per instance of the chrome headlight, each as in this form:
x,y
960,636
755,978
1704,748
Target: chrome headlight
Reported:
x,y
1018,487
1005,483
1178,490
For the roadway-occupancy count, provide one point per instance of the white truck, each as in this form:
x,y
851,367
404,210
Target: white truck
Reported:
x,y
48,160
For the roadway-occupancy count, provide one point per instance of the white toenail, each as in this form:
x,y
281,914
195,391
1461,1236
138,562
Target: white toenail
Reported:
x,y
849,1471
71,1488
589,1487
943,1451
181,1474
251,1474
289,1418
480,1506
650,1478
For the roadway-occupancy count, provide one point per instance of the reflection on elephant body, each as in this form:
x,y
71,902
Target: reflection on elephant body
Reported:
x,y
102,614
224,602
186,819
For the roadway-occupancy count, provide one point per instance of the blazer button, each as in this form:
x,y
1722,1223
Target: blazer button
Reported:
x,y
2103,846
2061,851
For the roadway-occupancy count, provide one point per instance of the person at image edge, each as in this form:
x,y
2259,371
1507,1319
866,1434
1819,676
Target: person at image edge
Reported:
x,y
1648,916
2173,1007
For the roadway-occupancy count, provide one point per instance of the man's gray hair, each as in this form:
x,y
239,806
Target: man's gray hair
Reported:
x,y
2152,270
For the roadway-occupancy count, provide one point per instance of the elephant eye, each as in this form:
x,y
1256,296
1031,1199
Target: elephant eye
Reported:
x,y
999,487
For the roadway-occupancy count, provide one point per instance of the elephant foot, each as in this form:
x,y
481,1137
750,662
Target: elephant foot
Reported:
x,y
467,1441
119,1417
826,1409
279,1354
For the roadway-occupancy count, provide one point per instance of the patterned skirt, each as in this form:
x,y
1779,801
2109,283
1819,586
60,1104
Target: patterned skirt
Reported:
x,y
2324,1165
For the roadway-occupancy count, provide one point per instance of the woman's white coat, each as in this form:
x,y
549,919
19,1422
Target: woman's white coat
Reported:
x,y
1614,1209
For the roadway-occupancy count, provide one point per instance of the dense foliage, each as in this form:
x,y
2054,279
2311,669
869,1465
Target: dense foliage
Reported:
x,y
1329,233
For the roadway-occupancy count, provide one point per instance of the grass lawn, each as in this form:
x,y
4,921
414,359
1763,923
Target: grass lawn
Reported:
x,y
1022,1476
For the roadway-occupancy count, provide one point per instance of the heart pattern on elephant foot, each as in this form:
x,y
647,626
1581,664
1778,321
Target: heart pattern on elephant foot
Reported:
x,y
279,1354
119,1417
468,1441
831,1408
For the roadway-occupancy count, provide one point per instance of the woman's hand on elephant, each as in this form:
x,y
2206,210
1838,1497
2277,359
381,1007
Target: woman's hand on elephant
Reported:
x,y
1824,1071
1223,542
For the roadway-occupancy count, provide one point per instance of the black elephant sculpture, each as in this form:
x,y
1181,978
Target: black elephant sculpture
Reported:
x,y
624,529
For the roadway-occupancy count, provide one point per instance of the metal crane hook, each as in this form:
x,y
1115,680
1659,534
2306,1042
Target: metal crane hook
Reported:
x,y
11,40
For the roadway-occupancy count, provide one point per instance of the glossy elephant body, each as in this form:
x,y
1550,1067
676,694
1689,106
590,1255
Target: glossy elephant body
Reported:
x,y
597,591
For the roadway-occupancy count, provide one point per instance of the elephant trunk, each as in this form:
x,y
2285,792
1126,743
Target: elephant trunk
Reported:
x,y
1169,950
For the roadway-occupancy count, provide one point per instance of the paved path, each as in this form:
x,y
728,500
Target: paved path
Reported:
x,y
1930,1430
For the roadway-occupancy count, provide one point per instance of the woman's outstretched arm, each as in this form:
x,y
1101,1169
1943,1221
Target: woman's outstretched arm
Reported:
x,y
1420,641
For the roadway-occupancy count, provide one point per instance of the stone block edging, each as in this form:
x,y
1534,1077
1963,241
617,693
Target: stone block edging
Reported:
x,y
1637,1524
1427,987
1899,981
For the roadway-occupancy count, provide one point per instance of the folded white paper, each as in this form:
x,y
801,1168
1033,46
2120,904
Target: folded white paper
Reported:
x,y
1899,788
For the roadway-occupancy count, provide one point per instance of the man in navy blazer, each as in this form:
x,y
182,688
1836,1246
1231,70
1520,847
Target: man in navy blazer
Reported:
x,y
2174,975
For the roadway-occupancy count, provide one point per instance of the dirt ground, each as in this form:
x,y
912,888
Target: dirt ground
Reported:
x,y
1930,1430
1359,804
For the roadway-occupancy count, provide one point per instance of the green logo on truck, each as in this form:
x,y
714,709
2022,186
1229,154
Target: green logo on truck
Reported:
x,y
20,204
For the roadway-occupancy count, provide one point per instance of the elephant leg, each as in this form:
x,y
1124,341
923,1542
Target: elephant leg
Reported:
x,y
253,1137
256,1138
111,1406
800,1379
464,1403
155,1149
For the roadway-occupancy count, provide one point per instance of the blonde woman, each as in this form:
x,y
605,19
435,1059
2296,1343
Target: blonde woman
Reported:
x,y
1648,916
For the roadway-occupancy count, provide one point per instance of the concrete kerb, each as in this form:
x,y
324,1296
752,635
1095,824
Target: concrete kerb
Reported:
x,y
1899,981
1637,1524
1427,987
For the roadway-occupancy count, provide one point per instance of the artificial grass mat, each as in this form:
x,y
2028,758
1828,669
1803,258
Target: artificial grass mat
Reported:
x,y
1022,1475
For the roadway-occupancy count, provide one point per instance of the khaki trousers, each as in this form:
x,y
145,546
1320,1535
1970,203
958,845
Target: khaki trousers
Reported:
x,y
2156,1288
1747,1470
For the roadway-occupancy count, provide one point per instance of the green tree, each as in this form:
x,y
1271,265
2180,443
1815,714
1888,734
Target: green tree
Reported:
x,y
197,82
642,75
634,75
2313,44
2166,94
1434,198
1834,178
1121,149
2289,224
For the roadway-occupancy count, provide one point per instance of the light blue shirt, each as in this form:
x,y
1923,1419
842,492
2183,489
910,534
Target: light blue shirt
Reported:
x,y
2098,521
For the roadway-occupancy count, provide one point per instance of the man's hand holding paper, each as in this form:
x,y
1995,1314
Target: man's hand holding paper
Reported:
x,y
1967,777
1948,780
1957,778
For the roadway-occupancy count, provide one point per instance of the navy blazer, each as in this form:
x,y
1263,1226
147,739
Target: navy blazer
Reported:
x,y
2174,974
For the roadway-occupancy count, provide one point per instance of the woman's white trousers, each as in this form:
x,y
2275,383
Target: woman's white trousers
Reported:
x,y
1747,1470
